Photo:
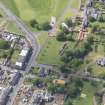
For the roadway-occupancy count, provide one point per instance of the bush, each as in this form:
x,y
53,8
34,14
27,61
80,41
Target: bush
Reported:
x,y
92,19
33,23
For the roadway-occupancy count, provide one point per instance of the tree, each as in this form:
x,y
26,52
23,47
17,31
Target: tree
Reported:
x,y
75,63
36,81
95,28
79,83
101,18
69,22
3,54
1,15
90,40
68,102
70,36
4,44
61,36
73,90
46,26
33,23
51,88
60,89
92,19
65,69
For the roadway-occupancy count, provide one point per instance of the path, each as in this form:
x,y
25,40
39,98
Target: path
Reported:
x,y
94,100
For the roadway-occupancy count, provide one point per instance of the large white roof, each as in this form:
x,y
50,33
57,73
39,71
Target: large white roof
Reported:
x,y
24,52
19,64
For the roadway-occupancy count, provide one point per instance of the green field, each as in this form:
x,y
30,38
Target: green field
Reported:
x,y
89,91
40,10
11,27
50,52
42,38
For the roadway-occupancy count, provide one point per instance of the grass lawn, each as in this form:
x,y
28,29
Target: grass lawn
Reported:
x,y
73,9
89,91
75,4
50,53
11,27
11,5
41,10
98,70
42,38
15,56
92,57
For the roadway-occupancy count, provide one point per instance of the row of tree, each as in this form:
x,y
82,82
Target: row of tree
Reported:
x,y
38,26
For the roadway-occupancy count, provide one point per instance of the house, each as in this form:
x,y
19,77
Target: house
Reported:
x,y
90,3
85,22
15,78
42,96
43,72
94,14
85,12
23,58
4,94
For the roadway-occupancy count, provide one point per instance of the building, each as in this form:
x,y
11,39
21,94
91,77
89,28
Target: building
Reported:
x,y
4,94
15,78
59,82
23,58
85,22
42,96
53,21
101,61
90,3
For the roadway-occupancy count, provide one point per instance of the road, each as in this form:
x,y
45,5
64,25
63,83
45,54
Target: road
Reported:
x,y
30,37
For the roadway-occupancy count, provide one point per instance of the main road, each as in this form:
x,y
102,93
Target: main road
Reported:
x,y
30,36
